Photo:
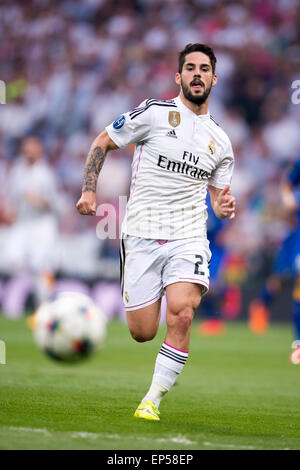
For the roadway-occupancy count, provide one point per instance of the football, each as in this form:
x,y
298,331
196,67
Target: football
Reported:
x,y
69,328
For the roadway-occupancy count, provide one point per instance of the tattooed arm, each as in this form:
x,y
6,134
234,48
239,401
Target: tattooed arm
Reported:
x,y
95,159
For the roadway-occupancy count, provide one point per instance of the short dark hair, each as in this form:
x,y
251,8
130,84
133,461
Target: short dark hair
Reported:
x,y
197,48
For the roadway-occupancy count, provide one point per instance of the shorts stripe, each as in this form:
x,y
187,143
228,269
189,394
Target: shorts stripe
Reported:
x,y
147,301
194,279
122,264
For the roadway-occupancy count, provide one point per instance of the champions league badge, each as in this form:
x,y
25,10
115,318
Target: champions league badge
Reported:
x,y
119,122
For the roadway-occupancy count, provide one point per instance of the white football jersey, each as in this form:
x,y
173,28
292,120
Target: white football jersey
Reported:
x,y
38,179
177,155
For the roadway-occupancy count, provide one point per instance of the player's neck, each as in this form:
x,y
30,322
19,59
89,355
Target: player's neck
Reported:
x,y
196,108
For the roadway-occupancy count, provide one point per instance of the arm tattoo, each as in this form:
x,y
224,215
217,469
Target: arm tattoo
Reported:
x,y
93,165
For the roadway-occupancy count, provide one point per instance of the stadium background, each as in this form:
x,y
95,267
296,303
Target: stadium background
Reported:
x,y
72,67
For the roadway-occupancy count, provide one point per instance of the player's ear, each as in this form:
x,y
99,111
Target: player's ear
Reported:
x,y
178,78
215,80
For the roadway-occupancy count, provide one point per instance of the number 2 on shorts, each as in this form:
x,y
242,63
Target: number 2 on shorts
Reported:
x,y
198,264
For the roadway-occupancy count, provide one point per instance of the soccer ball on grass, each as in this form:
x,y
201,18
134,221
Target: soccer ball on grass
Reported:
x,y
69,328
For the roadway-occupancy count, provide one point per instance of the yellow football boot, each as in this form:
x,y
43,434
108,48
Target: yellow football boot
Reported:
x,y
147,410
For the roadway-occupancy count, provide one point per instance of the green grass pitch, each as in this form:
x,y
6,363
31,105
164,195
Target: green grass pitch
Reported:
x,y
237,391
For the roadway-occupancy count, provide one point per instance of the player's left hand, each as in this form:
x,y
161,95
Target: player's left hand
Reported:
x,y
226,203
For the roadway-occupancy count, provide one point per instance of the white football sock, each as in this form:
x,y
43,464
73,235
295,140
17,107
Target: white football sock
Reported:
x,y
169,363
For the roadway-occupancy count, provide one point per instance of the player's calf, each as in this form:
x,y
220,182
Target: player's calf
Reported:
x,y
182,301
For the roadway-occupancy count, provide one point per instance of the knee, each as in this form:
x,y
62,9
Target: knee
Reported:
x,y
181,320
142,336
186,307
182,313
184,318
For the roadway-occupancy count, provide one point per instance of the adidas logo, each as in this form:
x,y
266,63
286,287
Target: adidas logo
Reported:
x,y
172,134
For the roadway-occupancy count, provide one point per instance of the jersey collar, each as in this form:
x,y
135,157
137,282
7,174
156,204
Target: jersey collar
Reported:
x,y
189,112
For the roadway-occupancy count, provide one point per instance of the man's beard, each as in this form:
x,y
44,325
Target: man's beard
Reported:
x,y
194,98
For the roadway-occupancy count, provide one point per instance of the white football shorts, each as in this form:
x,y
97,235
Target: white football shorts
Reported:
x,y
148,266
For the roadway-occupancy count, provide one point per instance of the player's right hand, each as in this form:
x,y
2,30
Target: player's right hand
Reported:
x,y
87,203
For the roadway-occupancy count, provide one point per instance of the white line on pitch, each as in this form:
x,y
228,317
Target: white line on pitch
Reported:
x,y
179,439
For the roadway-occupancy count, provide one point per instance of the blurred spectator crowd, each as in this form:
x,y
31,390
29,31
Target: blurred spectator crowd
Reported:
x,y
71,67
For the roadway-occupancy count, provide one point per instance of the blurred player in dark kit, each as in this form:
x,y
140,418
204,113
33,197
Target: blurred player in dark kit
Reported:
x,y
287,262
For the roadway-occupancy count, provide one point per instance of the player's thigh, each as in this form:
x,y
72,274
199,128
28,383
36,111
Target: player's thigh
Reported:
x,y
186,275
183,296
143,323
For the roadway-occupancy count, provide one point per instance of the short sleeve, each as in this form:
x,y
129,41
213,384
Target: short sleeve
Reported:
x,y
132,127
222,175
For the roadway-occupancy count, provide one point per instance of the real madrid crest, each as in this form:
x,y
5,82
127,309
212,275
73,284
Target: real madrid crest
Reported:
x,y
126,297
212,147
174,118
